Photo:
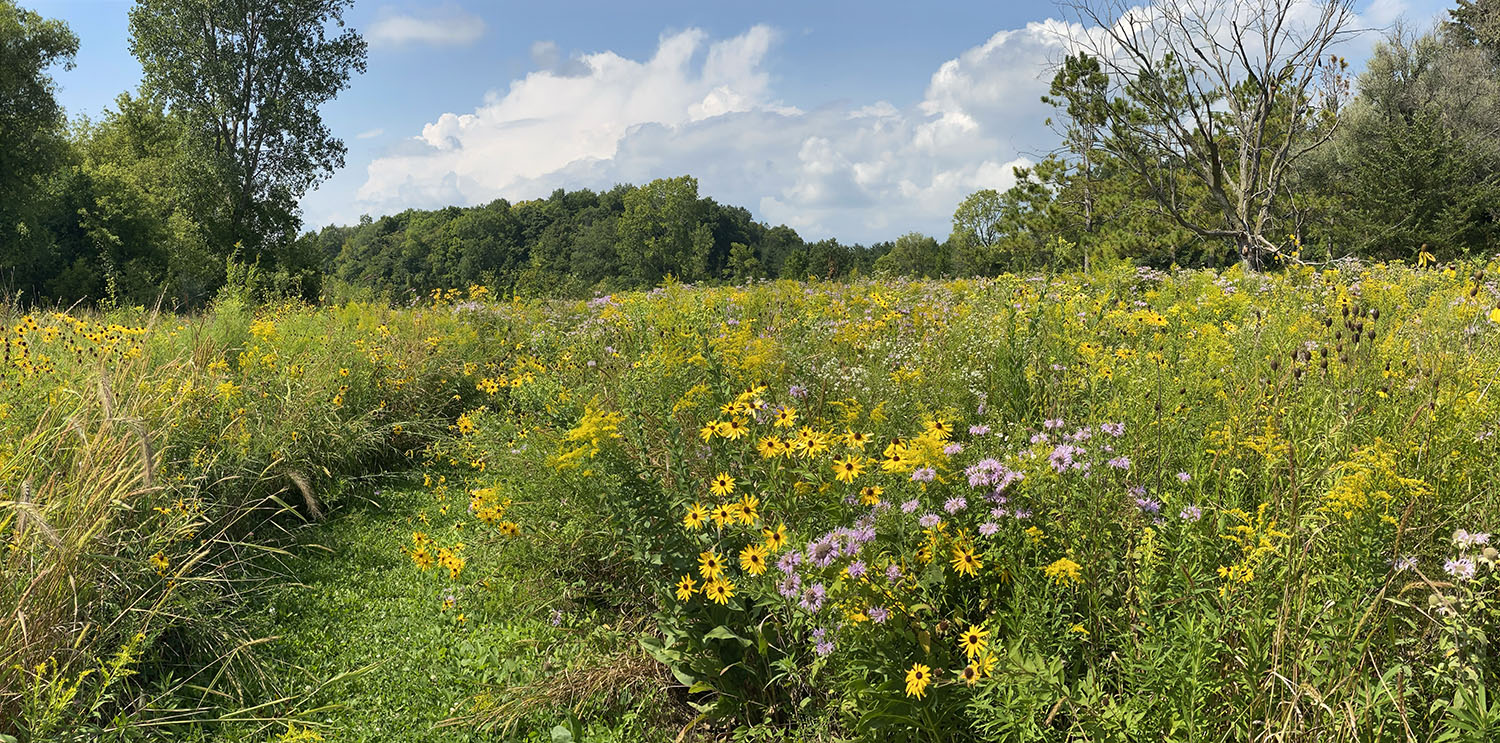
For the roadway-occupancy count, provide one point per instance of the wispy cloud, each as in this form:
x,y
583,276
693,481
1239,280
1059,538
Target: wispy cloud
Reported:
x,y
449,25
373,133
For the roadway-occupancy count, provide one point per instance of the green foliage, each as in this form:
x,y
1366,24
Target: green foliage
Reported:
x,y
31,141
248,78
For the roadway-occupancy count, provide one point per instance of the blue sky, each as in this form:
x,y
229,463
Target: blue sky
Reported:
x,y
859,120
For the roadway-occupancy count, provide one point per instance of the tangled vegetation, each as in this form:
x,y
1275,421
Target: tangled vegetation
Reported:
x,y
1122,505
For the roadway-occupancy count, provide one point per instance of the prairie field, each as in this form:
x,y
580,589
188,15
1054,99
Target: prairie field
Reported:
x,y
1117,505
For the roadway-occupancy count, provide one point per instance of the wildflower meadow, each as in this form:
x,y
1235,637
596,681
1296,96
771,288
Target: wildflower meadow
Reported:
x,y
1122,505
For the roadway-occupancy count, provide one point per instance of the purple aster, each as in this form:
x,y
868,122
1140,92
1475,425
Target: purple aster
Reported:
x,y
1183,476
1148,505
1022,513
955,504
953,448
1052,423
878,614
1114,429
1191,513
924,474
856,569
1401,564
989,528
798,391
823,648
909,506
978,430
930,520
1120,463
893,573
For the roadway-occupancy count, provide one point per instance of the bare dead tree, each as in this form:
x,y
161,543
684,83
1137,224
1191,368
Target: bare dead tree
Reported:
x,y
1222,94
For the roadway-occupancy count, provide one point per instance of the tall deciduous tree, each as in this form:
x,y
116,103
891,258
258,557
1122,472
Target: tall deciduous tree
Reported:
x,y
250,76
662,231
31,145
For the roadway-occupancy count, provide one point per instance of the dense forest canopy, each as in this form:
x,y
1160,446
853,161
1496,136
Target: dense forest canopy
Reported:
x,y
1174,150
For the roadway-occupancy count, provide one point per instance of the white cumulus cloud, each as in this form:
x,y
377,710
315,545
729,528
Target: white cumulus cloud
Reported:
x,y
445,26
706,107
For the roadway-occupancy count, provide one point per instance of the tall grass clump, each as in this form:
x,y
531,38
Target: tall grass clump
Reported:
x,y
146,458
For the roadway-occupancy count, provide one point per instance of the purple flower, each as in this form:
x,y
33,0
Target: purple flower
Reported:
x,y
989,528
955,504
1062,457
1191,513
893,573
1401,564
1461,568
856,569
909,506
878,614
953,448
1148,505
790,586
1021,513
979,430
798,391
822,552
1114,429
1052,423
789,562
930,520
924,474
823,648
1464,540
1120,463
813,597
557,617
1183,476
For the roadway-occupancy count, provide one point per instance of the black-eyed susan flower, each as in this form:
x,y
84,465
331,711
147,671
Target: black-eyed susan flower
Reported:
x,y
869,495
775,538
749,509
917,679
695,517
856,439
719,591
722,484
786,417
686,586
973,641
734,430
769,447
708,431
970,674
723,514
965,561
753,559
160,563
710,565
509,528
845,470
